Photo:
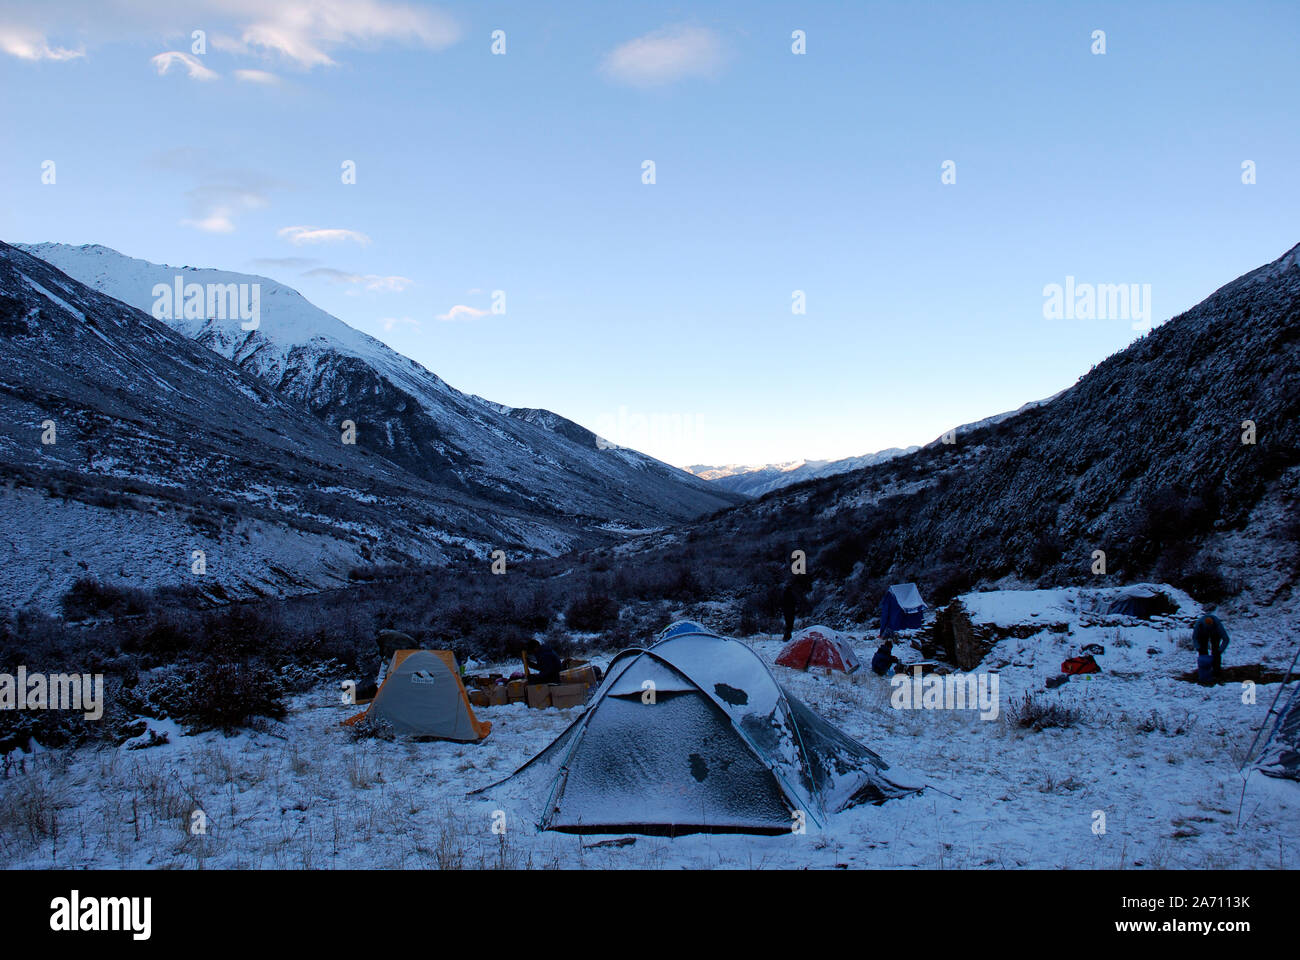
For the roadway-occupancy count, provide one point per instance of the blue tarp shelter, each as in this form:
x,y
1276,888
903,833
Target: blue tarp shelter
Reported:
x,y
902,608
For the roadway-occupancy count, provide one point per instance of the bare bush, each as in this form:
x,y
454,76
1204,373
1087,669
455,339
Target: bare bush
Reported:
x,y
1038,713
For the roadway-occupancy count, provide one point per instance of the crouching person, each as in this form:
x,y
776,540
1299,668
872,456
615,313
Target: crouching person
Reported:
x,y
1211,640
884,659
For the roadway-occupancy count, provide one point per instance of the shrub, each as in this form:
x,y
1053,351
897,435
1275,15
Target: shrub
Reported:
x,y
162,639
505,642
214,695
371,728
241,631
592,613
1036,713
228,694
948,581
88,598
1204,580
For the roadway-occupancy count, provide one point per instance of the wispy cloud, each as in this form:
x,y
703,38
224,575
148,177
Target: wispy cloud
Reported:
x,y
284,263
392,323
665,56
306,32
257,76
302,33
163,62
28,44
367,281
221,197
300,235
462,312
218,221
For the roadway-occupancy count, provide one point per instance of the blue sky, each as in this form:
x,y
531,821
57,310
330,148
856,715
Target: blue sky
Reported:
x,y
775,172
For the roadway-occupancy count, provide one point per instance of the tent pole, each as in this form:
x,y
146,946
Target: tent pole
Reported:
x,y
1272,706
937,790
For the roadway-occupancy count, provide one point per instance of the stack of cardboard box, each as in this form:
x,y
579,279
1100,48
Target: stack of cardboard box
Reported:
x,y
575,685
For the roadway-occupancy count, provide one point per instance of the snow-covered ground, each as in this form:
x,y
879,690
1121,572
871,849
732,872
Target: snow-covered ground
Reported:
x,y
1156,755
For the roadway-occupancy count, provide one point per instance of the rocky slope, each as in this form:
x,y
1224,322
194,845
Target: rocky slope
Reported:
x,y
1143,459
533,461
125,447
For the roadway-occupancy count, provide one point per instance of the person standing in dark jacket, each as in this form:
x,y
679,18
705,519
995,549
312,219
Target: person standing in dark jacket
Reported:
x,y
1211,640
789,603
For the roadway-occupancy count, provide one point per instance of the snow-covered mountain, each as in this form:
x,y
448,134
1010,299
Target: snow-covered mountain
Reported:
x,y
757,480
754,481
532,460
131,453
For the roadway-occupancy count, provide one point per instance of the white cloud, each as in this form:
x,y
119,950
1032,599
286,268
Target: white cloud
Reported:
x,y
305,33
193,66
300,235
257,76
369,281
218,221
460,311
216,201
665,56
392,323
285,263
32,45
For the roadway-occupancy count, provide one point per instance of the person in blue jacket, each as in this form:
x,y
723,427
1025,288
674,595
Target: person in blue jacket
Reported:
x,y
1211,640
884,658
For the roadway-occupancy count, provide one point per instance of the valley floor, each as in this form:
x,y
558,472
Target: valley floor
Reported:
x,y
1157,755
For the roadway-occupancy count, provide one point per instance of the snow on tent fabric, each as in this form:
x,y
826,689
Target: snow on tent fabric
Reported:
x,y
422,695
695,735
902,608
681,628
1280,756
1142,602
818,647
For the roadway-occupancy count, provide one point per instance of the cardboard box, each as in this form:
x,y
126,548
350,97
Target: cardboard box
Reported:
x,y
586,676
539,696
517,690
478,698
497,695
568,695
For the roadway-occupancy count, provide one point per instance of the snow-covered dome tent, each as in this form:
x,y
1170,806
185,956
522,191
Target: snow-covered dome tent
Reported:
x,y
680,628
1280,755
1142,601
818,646
695,735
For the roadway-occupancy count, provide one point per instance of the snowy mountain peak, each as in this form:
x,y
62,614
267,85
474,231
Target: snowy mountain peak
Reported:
x,y
533,460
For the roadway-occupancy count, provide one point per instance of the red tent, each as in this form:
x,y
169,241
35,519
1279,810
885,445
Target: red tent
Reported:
x,y
818,647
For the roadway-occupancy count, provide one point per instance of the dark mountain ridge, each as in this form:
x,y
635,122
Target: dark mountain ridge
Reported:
x,y
1143,459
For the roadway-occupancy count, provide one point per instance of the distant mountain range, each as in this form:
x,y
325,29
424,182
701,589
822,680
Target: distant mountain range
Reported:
x,y
754,481
179,434
1176,459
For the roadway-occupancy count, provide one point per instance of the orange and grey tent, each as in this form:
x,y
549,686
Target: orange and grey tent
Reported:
x,y
422,696
818,647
